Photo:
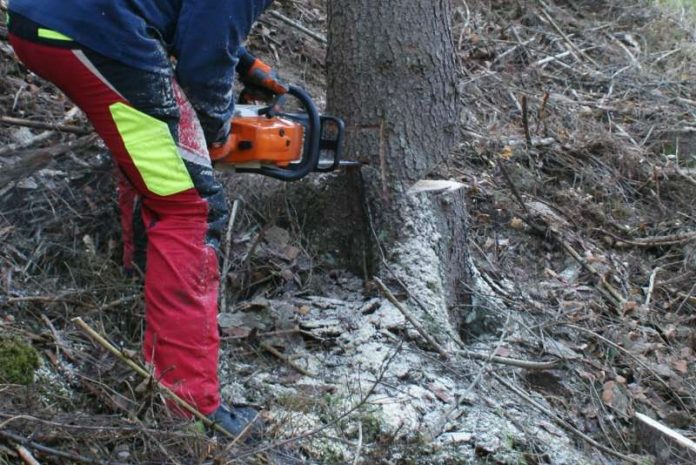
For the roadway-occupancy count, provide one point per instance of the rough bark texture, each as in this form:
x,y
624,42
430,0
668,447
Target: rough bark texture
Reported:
x,y
392,77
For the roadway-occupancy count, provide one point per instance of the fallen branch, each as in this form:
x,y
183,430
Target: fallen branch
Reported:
x,y
98,338
47,299
42,136
651,285
291,22
243,434
280,332
656,241
119,301
607,290
38,159
12,121
411,319
669,432
275,352
563,422
530,365
226,258
456,411
26,456
513,362
358,449
55,452
574,48
94,429
11,148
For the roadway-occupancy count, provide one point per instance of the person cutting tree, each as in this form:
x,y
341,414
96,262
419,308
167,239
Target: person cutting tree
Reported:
x,y
155,78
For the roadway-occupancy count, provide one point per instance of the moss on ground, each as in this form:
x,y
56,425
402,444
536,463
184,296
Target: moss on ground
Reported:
x,y
18,361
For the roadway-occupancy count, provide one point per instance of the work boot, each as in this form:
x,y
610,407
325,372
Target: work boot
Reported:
x,y
236,419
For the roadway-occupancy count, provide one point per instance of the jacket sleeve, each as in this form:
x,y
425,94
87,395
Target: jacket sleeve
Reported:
x,y
207,46
246,61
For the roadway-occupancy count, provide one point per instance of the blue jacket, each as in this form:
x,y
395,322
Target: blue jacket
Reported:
x,y
205,37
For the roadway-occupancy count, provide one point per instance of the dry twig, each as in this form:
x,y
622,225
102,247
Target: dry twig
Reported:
x,y
266,346
54,452
98,338
291,22
226,258
12,121
657,241
26,456
412,319
42,136
563,422
669,432
38,159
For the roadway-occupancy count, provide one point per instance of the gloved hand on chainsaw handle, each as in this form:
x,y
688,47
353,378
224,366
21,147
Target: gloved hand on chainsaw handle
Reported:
x,y
260,84
260,80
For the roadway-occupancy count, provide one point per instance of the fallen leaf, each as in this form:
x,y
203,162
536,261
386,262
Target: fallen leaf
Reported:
x,y
277,237
440,393
287,274
506,154
681,366
291,253
616,396
502,352
517,224
629,307
303,310
608,392
483,218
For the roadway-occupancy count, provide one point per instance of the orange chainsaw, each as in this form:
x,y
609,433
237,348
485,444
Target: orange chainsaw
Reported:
x,y
284,145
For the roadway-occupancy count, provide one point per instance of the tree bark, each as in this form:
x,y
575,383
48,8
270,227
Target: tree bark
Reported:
x,y
392,77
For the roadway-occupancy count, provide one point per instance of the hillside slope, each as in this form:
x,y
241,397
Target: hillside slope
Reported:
x,y
578,155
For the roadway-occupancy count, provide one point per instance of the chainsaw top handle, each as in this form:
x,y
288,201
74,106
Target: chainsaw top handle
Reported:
x,y
312,139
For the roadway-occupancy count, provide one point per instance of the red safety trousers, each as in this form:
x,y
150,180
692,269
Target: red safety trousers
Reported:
x,y
157,142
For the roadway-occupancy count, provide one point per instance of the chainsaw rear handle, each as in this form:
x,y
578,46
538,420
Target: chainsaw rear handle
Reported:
x,y
312,142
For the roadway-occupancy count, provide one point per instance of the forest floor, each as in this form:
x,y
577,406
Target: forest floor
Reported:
x,y
578,156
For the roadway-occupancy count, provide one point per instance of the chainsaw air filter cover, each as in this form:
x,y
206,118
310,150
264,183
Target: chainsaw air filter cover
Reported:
x,y
261,140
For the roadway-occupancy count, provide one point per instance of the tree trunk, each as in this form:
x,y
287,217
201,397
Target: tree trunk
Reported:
x,y
392,77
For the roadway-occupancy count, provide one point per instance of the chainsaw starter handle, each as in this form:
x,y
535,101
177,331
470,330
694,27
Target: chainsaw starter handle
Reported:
x,y
312,143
